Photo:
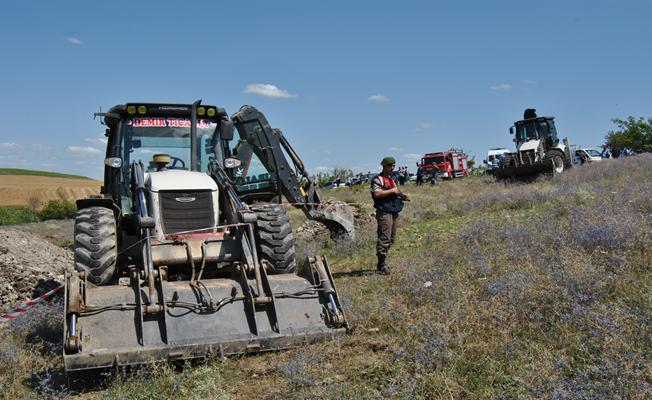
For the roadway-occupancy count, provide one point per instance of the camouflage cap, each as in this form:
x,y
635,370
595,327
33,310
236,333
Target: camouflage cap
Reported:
x,y
388,161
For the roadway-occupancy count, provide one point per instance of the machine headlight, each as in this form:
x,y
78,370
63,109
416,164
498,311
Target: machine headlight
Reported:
x,y
211,112
131,110
231,163
201,111
114,162
142,109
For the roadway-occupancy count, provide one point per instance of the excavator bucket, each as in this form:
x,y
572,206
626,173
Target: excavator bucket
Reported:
x,y
113,326
338,218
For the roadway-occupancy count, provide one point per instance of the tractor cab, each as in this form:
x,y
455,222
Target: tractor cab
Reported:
x,y
538,128
161,137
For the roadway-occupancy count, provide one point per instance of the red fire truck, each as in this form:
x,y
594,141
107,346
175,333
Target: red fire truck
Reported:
x,y
446,164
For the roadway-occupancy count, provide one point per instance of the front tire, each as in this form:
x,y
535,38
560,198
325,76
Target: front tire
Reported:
x,y
558,161
274,239
96,244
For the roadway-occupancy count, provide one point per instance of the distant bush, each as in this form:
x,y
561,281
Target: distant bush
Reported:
x,y
58,209
17,215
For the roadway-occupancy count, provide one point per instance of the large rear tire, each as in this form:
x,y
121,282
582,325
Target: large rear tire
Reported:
x,y
95,245
558,161
274,239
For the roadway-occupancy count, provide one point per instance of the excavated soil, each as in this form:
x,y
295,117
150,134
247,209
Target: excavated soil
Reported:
x,y
30,265
313,230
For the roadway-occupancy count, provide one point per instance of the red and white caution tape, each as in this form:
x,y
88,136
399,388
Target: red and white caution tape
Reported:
x,y
23,308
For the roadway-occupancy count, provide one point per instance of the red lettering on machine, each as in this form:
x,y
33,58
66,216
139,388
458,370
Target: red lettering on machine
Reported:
x,y
168,122
148,122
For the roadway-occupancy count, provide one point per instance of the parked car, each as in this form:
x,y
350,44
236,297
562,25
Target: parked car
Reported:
x,y
587,155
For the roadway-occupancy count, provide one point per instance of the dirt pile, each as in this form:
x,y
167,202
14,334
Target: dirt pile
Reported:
x,y
29,266
313,230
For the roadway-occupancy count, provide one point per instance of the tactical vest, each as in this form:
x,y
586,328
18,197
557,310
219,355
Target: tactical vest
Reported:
x,y
391,203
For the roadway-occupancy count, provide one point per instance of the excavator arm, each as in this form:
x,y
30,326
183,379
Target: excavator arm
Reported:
x,y
292,181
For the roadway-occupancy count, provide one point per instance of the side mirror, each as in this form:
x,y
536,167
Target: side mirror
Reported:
x,y
511,130
226,129
136,144
232,163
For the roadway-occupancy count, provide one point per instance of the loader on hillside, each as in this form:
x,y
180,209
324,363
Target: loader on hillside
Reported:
x,y
538,149
191,255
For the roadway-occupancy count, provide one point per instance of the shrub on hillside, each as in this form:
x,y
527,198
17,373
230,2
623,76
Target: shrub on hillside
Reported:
x,y
58,209
17,215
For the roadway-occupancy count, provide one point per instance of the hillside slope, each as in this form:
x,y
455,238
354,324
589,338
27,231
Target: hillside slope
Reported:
x,y
16,190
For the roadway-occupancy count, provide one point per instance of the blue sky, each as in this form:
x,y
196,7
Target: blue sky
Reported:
x,y
348,82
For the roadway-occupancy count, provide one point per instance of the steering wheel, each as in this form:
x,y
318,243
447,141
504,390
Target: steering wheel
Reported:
x,y
175,161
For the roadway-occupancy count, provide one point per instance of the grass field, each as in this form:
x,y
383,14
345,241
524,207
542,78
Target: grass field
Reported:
x,y
540,290
19,190
18,171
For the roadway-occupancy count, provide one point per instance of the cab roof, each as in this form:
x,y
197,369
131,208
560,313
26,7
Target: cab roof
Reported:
x,y
159,109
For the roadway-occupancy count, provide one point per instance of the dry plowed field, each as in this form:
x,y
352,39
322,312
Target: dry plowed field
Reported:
x,y
16,190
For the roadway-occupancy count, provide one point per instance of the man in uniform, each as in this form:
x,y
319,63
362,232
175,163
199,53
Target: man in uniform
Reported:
x,y
388,201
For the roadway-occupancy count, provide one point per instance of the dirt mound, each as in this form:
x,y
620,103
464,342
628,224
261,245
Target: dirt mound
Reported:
x,y
29,266
313,230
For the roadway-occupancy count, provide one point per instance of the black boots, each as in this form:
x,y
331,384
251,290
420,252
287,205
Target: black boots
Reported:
x,y
382,267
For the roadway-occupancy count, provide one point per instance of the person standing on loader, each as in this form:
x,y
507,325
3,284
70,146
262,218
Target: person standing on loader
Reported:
x,y
388,201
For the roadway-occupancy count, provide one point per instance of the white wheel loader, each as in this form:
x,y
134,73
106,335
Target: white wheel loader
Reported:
x,y
538,149
191,255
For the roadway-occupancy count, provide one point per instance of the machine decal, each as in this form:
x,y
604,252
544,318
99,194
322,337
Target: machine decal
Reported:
x,y
168,122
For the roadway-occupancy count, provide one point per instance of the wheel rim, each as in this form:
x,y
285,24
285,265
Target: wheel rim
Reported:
x,y
558,164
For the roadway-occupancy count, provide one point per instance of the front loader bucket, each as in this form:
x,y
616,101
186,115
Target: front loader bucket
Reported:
x,y
111,326
524,171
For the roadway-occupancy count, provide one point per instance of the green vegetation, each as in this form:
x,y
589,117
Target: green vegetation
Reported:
x,y
11,215
58,209
633,133
497,291
17,171
54,209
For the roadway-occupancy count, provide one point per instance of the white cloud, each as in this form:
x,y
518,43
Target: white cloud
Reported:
x,y
39,147
378,98
321,169
530,82
9,146
101,140
423,126
503,87
413,157
396,149
83,151
75,40
268,90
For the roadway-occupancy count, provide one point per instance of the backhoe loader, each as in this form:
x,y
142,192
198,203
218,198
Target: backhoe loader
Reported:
x,y
538,149
188,252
